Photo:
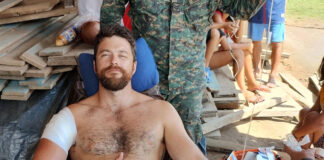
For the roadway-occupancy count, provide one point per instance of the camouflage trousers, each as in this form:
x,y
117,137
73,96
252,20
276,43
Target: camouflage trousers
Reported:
x,y
189,107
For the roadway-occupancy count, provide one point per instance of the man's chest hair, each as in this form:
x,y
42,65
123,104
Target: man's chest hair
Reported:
x,y
131,136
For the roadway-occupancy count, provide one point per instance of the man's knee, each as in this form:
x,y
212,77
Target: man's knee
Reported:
x,y
89,31
302,113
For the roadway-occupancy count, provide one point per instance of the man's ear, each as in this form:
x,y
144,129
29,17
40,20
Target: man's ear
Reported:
x,y
134,67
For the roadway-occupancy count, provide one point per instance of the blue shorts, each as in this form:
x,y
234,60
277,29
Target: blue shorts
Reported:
x,y
256,30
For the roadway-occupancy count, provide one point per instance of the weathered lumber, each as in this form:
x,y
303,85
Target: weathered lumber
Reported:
x,y
31,55
22,33
49,84
33,81
71,57
56,11
12,77
17,98
3,83
62,69
296,85
222,144
12,70
14,89
8,4
24,9
242,114
54,50
314,80
210,113
41,73
6,28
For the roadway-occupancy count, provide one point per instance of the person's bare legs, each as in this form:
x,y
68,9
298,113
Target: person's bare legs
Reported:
x,y
257,49
222,58
211,45
252,84
275,60
89,31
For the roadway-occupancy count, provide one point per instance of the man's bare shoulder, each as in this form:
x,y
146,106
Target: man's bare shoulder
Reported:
x,y
83,106
157,104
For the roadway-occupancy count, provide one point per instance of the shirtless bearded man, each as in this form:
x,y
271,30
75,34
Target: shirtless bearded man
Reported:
x,y
117,122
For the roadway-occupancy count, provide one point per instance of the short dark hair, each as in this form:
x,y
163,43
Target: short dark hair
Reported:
x,y
108,31
321,71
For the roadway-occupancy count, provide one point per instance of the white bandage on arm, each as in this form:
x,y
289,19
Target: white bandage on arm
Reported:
x,y
61,129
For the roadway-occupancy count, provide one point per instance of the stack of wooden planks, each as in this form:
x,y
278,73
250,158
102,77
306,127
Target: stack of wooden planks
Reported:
x,y
12,11
29,59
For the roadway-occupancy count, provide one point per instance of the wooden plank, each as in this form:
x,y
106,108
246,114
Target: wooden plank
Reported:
x,y
54,50
213,85
226,84
3,83
24,9
8,4
68,3
296,85
14,89
21,34
33,81
12,70
57,11
297,97
208,111
216,144
31,55
62,69
12,77
7,28
17,98
41,73
242,114
71,57
49,84
287,109
314,80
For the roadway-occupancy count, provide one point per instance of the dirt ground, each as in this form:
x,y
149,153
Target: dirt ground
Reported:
x,y
304,40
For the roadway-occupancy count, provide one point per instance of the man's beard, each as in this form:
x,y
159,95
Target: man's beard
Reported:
x,y
114,84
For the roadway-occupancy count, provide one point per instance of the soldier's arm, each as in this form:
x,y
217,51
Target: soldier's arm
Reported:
x,y
241,9
112,11
178,142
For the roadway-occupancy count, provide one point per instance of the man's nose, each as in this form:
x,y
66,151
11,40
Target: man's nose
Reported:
x,y
114,59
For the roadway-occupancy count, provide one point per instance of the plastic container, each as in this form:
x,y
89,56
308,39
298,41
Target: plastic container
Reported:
x,y
67,36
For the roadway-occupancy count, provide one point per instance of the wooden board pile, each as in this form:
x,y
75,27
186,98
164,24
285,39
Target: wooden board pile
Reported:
x,y
12,11
228,95
29,59
286,100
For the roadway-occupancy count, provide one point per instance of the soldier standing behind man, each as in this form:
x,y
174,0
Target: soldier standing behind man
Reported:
x,y
176,32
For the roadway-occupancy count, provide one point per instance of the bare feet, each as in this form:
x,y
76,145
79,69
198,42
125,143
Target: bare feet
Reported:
x,y
271,82
252,97
259,87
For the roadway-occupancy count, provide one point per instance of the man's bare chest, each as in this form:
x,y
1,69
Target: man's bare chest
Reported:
x,y
136,136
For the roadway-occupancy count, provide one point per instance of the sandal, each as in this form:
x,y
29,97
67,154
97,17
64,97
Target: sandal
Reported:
x,y
255,99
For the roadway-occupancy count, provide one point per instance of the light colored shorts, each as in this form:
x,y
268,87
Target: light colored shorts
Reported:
x,y
256,30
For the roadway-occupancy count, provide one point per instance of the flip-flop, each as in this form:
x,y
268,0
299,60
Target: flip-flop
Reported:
x,y
261,87
271,82
256,99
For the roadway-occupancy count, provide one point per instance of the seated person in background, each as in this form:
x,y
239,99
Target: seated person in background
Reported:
x,y
117,122
311,120
88,25
229,51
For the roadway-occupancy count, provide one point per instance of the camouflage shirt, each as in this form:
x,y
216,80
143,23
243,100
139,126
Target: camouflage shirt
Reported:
x,y
175,31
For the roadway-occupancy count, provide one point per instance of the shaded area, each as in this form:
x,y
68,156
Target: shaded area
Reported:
x,y
22,122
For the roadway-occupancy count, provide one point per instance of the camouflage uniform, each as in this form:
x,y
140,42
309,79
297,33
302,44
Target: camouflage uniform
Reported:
x,y
176,30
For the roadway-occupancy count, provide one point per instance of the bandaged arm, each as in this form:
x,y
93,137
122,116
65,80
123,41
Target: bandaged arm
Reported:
x,y
61,131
